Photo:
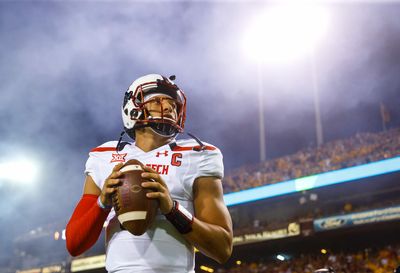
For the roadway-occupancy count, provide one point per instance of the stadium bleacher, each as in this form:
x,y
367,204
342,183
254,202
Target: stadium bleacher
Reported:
x,y
360,149
370,260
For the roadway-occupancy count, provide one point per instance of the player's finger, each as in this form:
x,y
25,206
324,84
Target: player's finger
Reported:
x,y
154,176
149,169
153,185
115,174
114,182
115,171
155,194
110,191
117,167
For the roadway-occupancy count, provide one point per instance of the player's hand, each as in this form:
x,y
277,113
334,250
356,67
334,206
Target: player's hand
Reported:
x,y
161,192
111,184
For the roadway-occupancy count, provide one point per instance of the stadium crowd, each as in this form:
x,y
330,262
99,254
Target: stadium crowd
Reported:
x,y
382,260
264,223
359,149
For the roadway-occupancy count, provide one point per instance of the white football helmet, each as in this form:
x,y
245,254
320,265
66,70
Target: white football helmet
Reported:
x,y
144,90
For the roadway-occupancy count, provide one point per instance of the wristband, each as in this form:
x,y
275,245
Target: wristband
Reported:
x,y
180,218
102,206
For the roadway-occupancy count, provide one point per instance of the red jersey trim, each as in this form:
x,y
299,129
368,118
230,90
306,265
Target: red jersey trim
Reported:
x,y
180,148
104,149
175,149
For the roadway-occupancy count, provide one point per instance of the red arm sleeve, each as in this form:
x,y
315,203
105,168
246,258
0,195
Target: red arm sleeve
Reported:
x,y
85,225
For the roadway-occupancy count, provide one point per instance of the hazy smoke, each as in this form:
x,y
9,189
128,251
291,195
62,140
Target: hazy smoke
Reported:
x,y
65,67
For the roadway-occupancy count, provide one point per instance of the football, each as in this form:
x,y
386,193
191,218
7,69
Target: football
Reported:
x,y
134,210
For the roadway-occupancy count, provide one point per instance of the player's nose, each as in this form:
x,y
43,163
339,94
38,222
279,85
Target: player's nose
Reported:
x,y
167,106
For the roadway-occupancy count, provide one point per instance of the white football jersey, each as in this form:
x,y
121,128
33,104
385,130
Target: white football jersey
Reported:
x,y
161,248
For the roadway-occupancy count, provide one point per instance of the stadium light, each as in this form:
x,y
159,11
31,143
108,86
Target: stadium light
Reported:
x,y
285,32
206,268
20,171
280,257
281,34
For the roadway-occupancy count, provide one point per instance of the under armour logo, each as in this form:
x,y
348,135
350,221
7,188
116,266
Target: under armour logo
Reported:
x,y
118,157
165,153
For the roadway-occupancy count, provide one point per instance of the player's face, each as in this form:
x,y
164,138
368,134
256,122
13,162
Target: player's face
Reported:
x,y
162,106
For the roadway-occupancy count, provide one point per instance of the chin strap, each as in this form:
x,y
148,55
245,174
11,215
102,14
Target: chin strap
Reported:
x,y
121,144
202,146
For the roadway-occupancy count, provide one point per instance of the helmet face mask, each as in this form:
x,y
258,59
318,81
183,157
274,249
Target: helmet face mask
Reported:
x,y
140,105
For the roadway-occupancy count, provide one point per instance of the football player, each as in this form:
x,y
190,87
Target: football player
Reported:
x,y
184,174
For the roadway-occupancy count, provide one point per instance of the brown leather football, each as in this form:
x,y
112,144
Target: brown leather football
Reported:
x,y
134,210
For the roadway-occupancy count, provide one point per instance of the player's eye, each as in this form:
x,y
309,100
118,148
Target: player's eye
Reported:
x,y
155,102
173,104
